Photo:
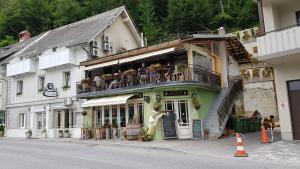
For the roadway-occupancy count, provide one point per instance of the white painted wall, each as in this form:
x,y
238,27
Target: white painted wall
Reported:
x,y
284,73
280,15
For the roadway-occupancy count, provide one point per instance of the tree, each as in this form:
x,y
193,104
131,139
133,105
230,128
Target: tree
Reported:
x,y
66,11
188,15
147,20
8,40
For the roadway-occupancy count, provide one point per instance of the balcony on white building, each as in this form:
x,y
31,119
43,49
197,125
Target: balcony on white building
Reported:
x,y
25,66
55,59
276,44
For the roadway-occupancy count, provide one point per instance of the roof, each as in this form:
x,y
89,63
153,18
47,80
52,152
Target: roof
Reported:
x,y
240,53
74,33
9,50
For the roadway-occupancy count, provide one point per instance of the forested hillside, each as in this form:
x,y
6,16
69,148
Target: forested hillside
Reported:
x,y
156,18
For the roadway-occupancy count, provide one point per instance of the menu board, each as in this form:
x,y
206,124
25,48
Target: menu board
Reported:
x,y
197,129
169,126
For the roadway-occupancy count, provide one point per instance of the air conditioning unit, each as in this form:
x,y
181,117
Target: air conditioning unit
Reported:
x,y
94,44
68,101
94,52
106,47
106,38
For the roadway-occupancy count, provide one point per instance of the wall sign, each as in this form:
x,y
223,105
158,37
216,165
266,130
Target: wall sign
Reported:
x,y
197,129
50,91
169,126
176,93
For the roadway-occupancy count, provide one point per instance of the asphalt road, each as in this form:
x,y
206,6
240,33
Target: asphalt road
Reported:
x,y
33,154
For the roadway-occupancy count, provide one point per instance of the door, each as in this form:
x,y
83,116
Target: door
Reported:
x,y
294,97
181,110
298,18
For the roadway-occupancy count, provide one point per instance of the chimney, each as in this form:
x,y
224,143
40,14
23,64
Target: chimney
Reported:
x,y
221,31
24,35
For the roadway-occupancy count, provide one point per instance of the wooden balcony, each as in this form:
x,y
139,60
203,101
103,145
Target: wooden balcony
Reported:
x,y
133,81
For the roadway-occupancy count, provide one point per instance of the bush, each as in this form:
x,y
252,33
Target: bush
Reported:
x,y
1,128
149,137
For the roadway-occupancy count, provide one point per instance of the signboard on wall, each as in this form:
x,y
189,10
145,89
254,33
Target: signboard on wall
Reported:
x,y
176,93
50,91
197,129
169,126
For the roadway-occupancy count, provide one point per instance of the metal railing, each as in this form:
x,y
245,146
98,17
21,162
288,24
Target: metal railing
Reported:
x,y
187,73
235,86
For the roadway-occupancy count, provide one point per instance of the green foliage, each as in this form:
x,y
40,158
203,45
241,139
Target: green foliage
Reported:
x,y
8,40
156,18
2,128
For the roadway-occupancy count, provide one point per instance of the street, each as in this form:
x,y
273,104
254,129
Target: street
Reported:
x,y
32,154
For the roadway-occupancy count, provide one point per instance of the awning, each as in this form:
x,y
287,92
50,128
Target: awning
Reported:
x,y
107,101
129,59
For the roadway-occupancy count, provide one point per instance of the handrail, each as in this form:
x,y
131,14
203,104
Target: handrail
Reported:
x,y
235,85
187,73
278,30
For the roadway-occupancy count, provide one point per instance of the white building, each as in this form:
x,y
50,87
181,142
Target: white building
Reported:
x,y
42,76
280,46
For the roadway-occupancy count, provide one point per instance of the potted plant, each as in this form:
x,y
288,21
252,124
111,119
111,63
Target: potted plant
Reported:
x,y
66,87
124,135
132,130
28,133
44,133
66,134
149,137
2,129
114,129
60,134
141,136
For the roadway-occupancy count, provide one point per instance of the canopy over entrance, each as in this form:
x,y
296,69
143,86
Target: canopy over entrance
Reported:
x,y
107,101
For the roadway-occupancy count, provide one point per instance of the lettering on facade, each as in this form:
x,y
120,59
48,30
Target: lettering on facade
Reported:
x,y
50,91
176,93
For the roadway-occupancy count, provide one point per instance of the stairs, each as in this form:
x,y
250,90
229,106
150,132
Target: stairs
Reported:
x,y
219,112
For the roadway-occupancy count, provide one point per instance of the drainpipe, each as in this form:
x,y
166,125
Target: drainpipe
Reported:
x,y
224,57
142,37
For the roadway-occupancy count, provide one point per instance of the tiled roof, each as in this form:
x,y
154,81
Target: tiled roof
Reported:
x,y
74,33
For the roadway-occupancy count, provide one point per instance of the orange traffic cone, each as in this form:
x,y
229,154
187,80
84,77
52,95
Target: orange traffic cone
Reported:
x,y
264,136
240,147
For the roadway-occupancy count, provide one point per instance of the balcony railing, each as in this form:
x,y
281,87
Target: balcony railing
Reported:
x,y
281,40
131,79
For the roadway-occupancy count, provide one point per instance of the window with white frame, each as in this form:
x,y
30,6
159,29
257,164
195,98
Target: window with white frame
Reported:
x,y
41,83
66,80
22,120
141,113
19,87
99,116
40,120
72,118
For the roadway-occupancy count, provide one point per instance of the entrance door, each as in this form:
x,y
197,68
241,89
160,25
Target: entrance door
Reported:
x,y
294,97
181,110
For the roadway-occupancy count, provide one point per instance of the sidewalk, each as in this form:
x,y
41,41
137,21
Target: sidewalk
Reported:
x,y
280,151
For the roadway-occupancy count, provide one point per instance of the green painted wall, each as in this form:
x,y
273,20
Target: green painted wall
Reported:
x,y
206,98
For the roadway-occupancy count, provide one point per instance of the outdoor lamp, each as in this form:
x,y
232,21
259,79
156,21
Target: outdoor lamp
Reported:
x,y
147,99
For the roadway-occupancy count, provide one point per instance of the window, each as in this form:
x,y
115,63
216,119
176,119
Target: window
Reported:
x,y
122,116
114,114
72,118
298,18
19,87
22,120
141,113
99,116
66,80
106,115
41,83
130,112
2,118
41,120
200,60
58,118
